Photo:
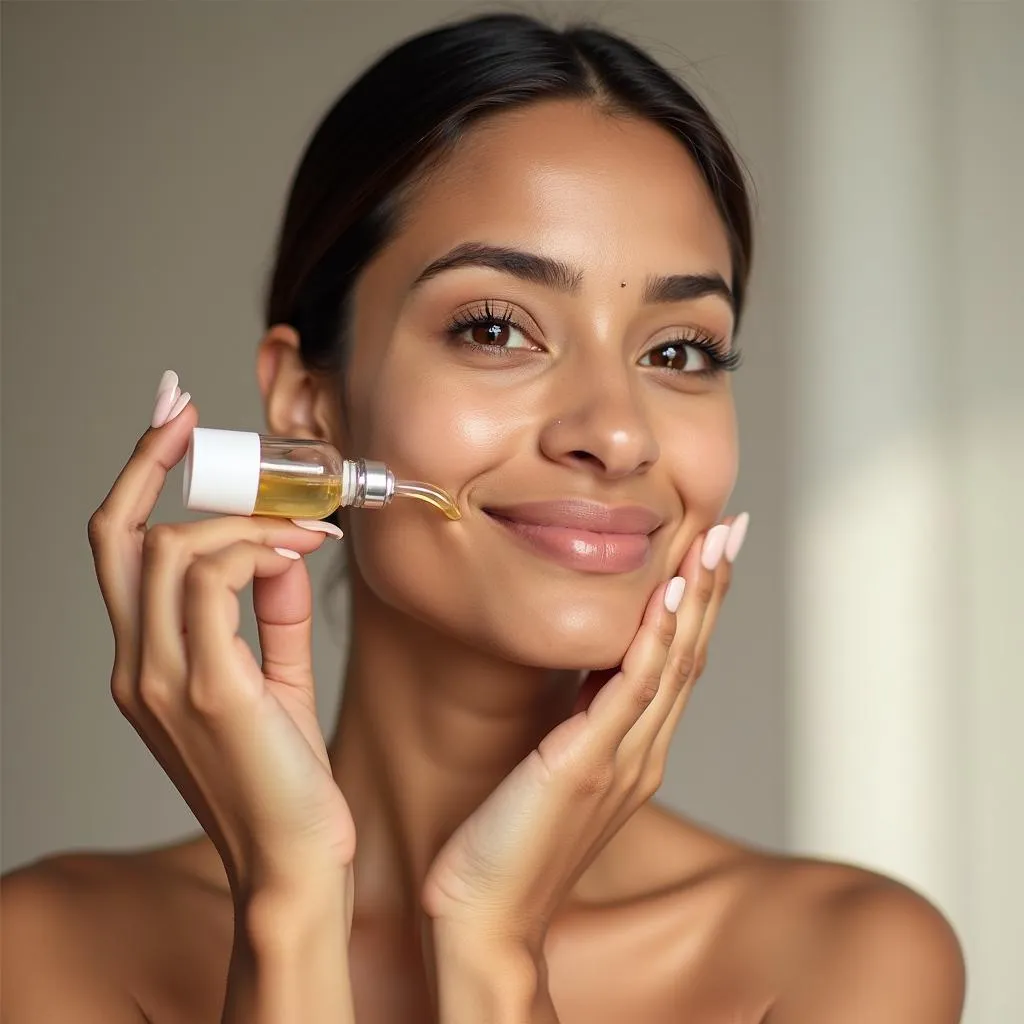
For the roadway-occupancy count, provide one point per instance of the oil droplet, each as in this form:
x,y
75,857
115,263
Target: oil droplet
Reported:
x,y
432,495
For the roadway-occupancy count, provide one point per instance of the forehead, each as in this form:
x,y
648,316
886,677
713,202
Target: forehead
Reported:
x,y
608,193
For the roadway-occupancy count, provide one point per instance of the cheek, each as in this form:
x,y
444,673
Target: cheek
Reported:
x,y
703,463
427,426
434,429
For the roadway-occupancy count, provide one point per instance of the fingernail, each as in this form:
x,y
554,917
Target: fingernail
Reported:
x,y
714,546
182,400
319,526
674,594
737,534
164,397
288,553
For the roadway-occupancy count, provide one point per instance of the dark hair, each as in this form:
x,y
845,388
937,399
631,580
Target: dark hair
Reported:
x,y
413,104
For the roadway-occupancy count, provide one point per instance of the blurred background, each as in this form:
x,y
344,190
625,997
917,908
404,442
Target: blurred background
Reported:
x,y
863,699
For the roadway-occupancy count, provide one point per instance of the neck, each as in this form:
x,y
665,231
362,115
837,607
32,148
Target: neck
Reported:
x,y
427,729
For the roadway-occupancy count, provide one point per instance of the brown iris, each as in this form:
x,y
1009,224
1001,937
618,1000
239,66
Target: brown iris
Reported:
x,y
493,333
669,355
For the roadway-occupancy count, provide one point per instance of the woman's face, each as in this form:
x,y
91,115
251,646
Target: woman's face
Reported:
x,y
565,397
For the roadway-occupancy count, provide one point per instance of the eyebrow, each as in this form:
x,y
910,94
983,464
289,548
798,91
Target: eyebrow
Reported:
x,y
527,266
556,274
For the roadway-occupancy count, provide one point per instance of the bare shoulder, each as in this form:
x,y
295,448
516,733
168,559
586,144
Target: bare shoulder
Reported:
x,y
817,940
868,948
105,925
53,957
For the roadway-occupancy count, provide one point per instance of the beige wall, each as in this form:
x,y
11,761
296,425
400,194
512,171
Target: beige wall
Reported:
x,y
866,691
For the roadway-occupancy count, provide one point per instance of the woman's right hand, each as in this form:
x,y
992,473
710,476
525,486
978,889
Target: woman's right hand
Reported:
x,y
240,741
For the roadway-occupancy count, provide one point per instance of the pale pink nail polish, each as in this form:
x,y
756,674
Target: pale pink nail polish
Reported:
x,y
319,526
737,534
674,594
164,397
714,546
182,400
288,553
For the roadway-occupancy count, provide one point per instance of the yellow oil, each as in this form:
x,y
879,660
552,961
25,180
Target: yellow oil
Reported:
x,y
432,495
297,497
315,496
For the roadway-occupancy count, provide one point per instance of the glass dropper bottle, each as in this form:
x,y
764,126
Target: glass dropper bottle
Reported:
x,y
240,472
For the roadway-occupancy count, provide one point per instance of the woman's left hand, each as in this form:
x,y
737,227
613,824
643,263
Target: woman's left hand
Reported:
x,y
503,873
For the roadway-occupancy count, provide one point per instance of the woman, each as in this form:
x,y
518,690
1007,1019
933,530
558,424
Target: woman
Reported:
x,y
513,263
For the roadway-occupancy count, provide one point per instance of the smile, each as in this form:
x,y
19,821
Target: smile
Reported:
x,y
582,535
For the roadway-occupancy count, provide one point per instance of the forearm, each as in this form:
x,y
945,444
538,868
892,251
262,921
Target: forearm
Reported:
x,y
480,982
289,961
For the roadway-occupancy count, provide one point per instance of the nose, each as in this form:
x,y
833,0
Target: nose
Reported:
x,y
598,422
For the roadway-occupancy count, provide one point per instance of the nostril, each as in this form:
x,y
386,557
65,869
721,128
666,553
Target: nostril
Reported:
x,y
585,456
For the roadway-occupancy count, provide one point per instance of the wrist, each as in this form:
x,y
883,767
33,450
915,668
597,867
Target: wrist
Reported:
x,y
290,955
293,909
471,942
485,978
267,878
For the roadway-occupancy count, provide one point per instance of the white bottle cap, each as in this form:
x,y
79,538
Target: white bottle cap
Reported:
x,y
222,471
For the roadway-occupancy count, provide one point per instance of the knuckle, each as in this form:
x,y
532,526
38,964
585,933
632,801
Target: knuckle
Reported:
x,y
630,772
206,698
666,629
705,587
649,781
155,691
645,688
99,527
161,540
683,664
594,780
142,445
202,575
122,691
646,778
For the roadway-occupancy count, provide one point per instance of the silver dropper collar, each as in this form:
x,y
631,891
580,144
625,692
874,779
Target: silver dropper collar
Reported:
x,y
367,484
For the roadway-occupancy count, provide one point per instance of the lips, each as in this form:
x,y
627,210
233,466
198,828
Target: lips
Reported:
x,y
582,535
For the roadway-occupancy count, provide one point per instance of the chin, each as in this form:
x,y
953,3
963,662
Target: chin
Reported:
x,y
567,638
586,622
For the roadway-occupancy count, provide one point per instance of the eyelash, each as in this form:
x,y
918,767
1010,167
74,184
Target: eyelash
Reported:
x,y
720,358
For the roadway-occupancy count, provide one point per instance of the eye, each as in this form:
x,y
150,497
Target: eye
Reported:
x,y
497,333
489,327
677,356
704,356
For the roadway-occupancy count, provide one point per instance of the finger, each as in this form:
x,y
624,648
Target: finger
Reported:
x,y
211,614
284,620
692,665
169,549
699,570
117,527
620,704
595,680
722,582
679,662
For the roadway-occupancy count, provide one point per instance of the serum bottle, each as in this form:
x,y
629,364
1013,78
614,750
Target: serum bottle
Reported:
x,y
239,472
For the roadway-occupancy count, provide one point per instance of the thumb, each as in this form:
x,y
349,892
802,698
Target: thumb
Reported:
x,y
284,619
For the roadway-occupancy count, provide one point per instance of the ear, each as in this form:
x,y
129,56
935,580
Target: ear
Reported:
x,y
297,402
